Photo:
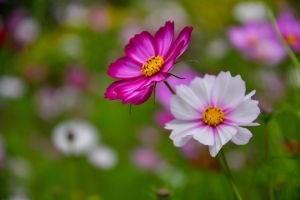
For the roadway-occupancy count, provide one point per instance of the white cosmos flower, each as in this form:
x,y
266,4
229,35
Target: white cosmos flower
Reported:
x,y
103,157
211,110
75,137
250,12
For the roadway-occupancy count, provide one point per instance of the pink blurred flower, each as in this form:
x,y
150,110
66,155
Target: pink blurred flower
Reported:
x,y
211,110
51,102
148,60
77,78
145,159
290,30
2,150
20,30
149,136
199,156
257,42
99,18
163,116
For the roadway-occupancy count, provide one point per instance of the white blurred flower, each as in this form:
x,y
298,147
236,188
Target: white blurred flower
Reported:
x,y
250,12
236,159
166,11
75,137
103,157
76,15
27,31
217,48
18,196
12,87
272,83
20,167
71,45
172,175
129,28
51,101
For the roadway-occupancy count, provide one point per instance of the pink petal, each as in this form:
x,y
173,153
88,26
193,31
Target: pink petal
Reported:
x,y
110,91
159,77
169,63
124,68
132,84
242,136
141,47
164,38
183,38
140,97
237,37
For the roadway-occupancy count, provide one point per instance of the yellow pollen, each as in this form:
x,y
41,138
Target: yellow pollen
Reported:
x,y
152,65
213,116
291,39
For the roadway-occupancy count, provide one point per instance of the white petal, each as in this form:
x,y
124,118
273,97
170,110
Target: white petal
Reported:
x,y
205,136
248,124
223,134
182,141
181,133
181,124
202,88
186,93
227,90
242,136
209,81
226,132
183,110
248,96
214,149
245,113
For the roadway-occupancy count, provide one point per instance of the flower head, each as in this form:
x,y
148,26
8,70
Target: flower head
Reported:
x,y
212,110
75,137
290,30
148,60
258,42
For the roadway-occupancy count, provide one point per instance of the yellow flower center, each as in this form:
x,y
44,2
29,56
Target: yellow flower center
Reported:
x,y
152,65
213,116
291,39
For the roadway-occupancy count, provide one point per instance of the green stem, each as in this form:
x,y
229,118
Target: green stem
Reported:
x,y
170,88
228,175
271,193
282,40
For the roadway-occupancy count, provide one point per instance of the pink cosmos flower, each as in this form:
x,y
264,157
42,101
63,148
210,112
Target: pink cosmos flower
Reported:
x,y
211,110
148,60
258,42
290,30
